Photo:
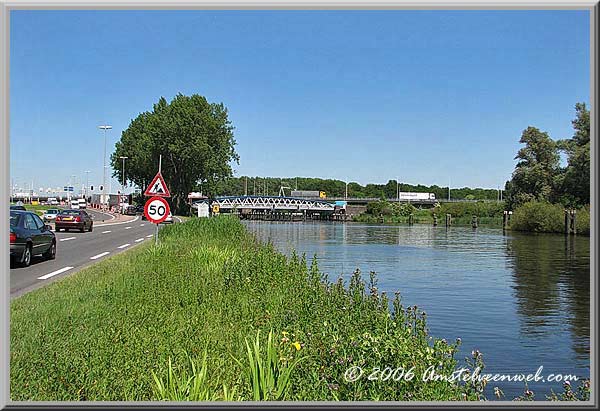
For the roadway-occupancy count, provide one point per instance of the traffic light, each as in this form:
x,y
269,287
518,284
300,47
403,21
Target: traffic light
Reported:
x,y
100,188
92,188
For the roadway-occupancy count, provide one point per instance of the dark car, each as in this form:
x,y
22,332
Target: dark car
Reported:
x,y
73,220
130,210
18,207
29,236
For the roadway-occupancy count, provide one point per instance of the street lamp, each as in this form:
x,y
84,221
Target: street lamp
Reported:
x,y
87,182
104,127
123,184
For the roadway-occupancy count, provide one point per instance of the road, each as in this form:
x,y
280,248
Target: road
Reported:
x,y
75,250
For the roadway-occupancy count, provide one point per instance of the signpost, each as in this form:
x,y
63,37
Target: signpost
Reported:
x,y
157,208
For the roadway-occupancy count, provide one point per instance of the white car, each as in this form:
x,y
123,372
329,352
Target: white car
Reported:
x,y
82,203
169,219
50,214
74,204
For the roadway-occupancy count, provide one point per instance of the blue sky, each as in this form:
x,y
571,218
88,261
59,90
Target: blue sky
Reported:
x,y
366,96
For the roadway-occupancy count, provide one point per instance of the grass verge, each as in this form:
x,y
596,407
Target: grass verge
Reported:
x,y
210,314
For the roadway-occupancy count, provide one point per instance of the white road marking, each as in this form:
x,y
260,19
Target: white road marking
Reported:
x,y
67,239
127,228
150,235
99,255
124,245
141,225
139,239
53,273
107,231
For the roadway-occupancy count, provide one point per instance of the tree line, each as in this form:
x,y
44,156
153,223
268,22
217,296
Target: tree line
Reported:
x,y
253,185
539,175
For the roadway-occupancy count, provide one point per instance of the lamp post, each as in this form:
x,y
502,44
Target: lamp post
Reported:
x,y
123,183
87,182
103,199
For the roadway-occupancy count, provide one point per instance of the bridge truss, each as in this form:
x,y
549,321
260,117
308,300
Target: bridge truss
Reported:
x,y
275,203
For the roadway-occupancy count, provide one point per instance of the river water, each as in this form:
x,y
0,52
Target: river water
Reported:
x,y
523,300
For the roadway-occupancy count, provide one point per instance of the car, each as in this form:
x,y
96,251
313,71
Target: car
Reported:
x,y
74,204
18,207
130,210
50,214
169,219
73,219
82,203
139,209
29,236
52,201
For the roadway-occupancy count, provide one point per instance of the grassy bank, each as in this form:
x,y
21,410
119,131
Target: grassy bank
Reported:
x,y
204,296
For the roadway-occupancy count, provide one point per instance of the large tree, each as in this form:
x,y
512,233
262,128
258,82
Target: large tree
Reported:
x,y
537,169
576,182
194,137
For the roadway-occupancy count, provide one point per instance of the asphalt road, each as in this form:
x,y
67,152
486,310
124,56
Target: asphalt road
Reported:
x,y
75,250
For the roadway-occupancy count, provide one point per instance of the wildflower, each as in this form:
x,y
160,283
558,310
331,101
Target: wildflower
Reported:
x,y
459,340
296,345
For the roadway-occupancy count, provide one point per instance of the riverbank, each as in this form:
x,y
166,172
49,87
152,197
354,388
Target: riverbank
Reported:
x,y
533,217
112,331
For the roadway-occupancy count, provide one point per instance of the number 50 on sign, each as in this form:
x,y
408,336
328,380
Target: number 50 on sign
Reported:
x,y
156,210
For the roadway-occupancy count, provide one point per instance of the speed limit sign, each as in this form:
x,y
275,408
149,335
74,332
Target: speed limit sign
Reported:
x,y
156,210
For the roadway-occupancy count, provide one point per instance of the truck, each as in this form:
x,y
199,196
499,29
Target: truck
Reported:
x,y
416,196
308,194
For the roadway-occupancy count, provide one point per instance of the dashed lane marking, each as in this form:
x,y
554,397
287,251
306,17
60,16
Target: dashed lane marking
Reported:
x,y
99,255
53,273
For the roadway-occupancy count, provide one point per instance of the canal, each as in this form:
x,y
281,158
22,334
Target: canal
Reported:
x,y
523,300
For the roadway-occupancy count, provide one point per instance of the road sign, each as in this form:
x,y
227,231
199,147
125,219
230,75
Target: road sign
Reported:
x,y
156,210
158,187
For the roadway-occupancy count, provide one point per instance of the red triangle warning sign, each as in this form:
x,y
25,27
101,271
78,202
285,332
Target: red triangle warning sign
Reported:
x,y
158,187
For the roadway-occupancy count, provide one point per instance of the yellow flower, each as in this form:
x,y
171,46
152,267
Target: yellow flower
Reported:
x,y
296,345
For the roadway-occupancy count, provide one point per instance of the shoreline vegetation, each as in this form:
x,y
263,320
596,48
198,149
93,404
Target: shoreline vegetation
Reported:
x,y
532,216
212,314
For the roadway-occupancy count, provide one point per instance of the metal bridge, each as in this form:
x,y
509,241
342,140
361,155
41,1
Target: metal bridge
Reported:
x,y
275,203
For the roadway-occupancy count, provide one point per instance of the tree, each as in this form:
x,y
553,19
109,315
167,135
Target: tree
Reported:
x,y
535,175
194,137
576,182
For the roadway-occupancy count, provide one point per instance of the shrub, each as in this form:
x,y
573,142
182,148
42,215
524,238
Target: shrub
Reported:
x,y
537,216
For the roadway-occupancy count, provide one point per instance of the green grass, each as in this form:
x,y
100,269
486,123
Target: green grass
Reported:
x,y
210,313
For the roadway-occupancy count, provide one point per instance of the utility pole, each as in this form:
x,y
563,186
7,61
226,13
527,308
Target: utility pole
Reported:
x,y
346,194
448,189
246,186
254,184
398,190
